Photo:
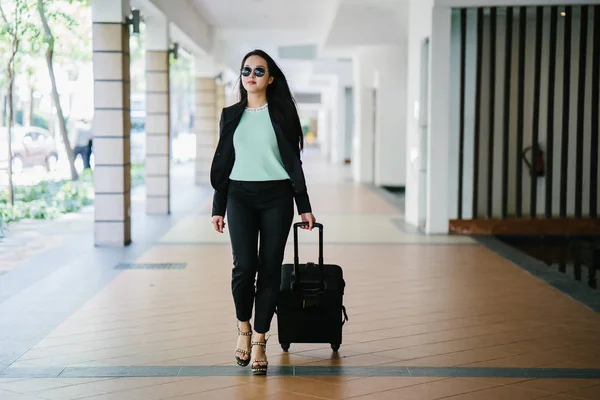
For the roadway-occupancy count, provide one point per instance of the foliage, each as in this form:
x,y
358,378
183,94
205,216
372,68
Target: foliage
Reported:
x,y
15,19
20,19
38,120
138,175
70,21
27,28
48,200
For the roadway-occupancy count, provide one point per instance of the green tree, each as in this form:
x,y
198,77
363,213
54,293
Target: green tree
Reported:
x,y
16,28
42,7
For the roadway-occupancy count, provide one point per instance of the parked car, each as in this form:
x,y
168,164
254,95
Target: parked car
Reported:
x,y
31,147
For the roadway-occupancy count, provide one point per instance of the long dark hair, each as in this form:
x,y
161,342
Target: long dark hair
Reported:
x,y
279,96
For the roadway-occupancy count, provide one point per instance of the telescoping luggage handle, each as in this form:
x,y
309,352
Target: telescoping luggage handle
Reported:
x,y
296,259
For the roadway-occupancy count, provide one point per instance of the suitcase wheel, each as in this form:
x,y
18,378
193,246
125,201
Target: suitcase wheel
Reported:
x,y
335,346
285,346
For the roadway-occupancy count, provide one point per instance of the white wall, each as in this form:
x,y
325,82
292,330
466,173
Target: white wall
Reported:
x,y
338,141
418,29
484,162
380,139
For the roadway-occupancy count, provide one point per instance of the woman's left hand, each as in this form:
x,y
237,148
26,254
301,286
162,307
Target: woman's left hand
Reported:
x,y
310,218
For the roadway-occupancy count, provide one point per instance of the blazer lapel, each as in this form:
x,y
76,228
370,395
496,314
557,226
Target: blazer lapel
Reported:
x,y
276,127
233,119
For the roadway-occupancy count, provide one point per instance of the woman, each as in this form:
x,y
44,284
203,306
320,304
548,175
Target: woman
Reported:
x,y
257,174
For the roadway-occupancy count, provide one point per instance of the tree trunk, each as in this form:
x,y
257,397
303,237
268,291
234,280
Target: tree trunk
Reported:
x,y
9,117
59,112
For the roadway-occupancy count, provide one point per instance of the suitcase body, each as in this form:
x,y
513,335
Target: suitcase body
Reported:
x,y
310,305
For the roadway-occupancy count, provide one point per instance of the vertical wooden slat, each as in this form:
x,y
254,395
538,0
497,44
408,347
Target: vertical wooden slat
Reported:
x,y
581,111
507,83
461,137
477,113
492,113
536,109
550,128
565,117
521,109
595,112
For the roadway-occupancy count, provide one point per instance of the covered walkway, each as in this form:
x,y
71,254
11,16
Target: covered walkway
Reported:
x,y
430,316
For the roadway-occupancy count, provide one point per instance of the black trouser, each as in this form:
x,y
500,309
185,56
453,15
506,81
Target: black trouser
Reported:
x,y
265,208
87,155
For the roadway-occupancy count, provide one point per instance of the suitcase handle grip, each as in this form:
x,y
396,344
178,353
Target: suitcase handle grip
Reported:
x,y
296,259
316,225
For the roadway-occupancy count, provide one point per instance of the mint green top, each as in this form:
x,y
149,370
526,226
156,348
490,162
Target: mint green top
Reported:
x,y
257,156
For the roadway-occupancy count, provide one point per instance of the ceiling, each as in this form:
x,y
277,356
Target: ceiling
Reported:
x,y
367,22
299,34
265,14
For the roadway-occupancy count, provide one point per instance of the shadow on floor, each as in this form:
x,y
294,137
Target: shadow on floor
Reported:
x,y
577,256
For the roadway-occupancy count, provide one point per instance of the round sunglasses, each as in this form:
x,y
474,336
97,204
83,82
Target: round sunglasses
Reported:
x,y
258,71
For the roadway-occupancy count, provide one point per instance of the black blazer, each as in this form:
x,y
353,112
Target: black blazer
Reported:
x,y
287,133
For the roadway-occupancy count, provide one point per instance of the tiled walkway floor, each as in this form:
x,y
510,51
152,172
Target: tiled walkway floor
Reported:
x,y
430,318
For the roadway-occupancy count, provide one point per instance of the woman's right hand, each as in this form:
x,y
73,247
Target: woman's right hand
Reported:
x,y
219,223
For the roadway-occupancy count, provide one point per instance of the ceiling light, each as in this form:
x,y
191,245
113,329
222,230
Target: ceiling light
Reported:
x,y
562,13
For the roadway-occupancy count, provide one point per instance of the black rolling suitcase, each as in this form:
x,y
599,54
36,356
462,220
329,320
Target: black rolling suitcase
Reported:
x,y
310,305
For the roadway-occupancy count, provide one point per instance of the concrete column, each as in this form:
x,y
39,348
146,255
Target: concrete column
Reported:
x,y
111,123
439,122
379,132
362,135
206,118
158,193
419,29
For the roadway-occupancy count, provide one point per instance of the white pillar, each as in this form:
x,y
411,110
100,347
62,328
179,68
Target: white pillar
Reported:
x,y
362,137
439,123
111,123
158,193
380,115
207,116
419,29
329,120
